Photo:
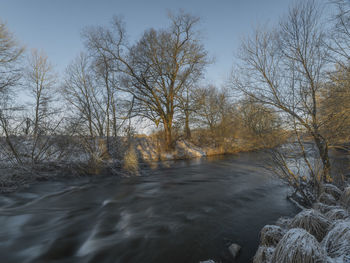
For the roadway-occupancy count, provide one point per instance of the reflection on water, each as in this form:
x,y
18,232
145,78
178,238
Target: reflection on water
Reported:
x,y
184,211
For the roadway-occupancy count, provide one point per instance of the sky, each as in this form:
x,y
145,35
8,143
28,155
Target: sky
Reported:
x,y
55,26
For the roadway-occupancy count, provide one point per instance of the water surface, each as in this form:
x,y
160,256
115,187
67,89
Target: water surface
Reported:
x,y
185,211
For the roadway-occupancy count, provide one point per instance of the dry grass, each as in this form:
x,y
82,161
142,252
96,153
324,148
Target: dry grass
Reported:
x,y
298,246
130,162
313,222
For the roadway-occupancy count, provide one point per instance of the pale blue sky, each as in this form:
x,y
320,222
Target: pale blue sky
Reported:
x,y
55,25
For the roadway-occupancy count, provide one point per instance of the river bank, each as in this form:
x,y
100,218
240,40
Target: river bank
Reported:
x,y
101,157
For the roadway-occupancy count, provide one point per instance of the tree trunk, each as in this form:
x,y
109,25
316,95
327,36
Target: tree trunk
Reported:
x,y
322,147
187,126
168,136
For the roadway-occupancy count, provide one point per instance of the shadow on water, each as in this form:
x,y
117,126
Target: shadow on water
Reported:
x,y
186,211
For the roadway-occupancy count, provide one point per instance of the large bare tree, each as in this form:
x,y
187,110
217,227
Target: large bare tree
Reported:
x,y
285,68
157,68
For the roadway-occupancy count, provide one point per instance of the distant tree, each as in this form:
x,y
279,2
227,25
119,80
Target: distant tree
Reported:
x,y
83,97
257,120
40,80
213,112
208,104
41,83
335,106
157,68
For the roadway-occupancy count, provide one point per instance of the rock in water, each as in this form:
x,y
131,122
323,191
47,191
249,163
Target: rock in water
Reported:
x,y
207,261
234,249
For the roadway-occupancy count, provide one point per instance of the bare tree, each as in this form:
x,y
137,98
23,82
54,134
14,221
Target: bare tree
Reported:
x,y
340,33
40,81
213,112
82,95
208,102
10,56
285,68
258,121
157,68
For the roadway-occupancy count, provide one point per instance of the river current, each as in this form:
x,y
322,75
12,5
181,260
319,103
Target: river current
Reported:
x,y
183,211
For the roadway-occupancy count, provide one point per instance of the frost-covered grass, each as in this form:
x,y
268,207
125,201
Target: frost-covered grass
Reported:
x,y
321,234
313,222
337,241
298,246
345,197
263,255
270,235
327,199
332,190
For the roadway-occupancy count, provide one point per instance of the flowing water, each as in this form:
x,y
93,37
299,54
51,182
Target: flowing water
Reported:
x,y
186,211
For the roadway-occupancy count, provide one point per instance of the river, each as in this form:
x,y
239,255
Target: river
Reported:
x,y
183,211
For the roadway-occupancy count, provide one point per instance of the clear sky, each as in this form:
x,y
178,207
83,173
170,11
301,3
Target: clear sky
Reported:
x,y
55,25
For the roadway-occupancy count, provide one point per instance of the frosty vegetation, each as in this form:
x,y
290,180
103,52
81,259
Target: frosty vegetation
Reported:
x,y
320,234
